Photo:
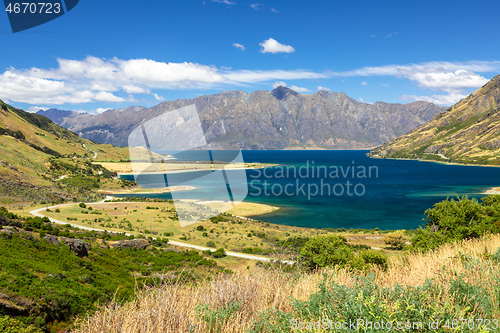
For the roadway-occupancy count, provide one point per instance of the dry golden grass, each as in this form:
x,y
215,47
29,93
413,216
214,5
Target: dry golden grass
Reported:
x,y
171,307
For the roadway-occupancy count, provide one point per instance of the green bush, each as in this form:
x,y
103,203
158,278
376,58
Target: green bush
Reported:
x,y
12,325
219,253
325,251
455,220
396,239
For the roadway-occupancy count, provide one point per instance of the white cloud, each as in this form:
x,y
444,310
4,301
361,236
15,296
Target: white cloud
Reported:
x,y
364,83
295,88
34,109
158,98
426,67
104,80
100,110
105,96
131,89
447,100
460,79
451,77
300,89
274,10
363,101
227,2
116,80
239,46
279,83
273,46
256,6
320,88
253,76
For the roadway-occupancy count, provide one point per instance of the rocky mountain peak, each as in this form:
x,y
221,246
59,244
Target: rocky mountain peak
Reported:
x,y
282,93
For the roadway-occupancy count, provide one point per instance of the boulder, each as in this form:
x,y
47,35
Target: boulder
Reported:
x,y
51,239
138,243
78,246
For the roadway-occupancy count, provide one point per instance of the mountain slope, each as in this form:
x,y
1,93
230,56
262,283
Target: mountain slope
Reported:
x,y
468,132
57,116
31,145
280,119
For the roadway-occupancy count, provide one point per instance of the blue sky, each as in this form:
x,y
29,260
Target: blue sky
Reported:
x,y
111,54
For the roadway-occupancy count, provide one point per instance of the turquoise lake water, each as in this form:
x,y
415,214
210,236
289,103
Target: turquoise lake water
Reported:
x,y
388,194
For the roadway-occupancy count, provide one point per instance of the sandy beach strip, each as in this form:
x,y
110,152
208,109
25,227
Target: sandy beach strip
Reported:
x,y
493,190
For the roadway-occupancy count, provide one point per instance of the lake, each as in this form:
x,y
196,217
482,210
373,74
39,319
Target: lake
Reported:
x,y
343,188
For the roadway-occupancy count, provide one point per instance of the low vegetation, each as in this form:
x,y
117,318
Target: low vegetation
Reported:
x,y
453,282
456,220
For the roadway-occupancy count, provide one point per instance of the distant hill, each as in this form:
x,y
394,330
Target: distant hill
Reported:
x,y
32,146
468,132
58,116
280,119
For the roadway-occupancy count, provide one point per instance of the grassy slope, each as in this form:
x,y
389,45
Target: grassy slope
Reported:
x,y
46,284
457,281
466,133
230,232
24,173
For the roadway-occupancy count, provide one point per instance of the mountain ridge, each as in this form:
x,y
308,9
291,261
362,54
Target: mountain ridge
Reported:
x,y
466,133
277,119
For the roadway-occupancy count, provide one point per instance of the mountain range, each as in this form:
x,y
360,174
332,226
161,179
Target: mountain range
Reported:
x,y
468,132
278,119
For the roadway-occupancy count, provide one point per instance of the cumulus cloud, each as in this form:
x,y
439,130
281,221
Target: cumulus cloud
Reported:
x,y
100,110
320,88
450,77
271,45
36,109
460,79
300,89
117,80
131,89
295,88
111,80
158,98
279,83
364,83
239,46
449,99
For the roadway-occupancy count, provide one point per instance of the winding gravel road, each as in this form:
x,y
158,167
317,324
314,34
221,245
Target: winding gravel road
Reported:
x,y
36,212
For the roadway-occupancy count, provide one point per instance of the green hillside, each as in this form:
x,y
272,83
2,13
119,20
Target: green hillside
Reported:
x,y
468,132
35,152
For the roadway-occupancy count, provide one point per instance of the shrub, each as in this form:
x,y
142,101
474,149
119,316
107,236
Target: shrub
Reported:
x,y
325,251
455,220
12,325
82,205
396,239
219,253
211,244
